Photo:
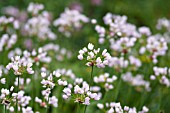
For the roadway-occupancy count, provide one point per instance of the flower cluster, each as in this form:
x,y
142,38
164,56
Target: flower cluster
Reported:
x,y
118,27
34,8
39,25
94,57
48,83
35,56
155,46
8,27
104,81
8,98
61,53
20,65
118,63
69,21
52,101
22,100
3,71
161,73
123,44
114,107
137,80
124,38
82,95
163,23
22,82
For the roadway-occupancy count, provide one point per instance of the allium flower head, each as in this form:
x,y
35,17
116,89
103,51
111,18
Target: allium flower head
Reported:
x,y
20,65
94,57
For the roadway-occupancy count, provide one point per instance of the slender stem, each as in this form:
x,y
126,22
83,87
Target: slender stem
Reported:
x,y
118,88
17,95
34,90
78,108
104,96
85,108
91,83
91,76
160,98
47,104
4,108
142,99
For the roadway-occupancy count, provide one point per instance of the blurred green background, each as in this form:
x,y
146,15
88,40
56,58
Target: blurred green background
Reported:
x,y
139,12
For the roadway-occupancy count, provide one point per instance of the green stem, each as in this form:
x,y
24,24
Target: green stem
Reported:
x,y
4,108
129,94
34,90
142,99
118,88
17,95
47,104
160,98
91,77
78,108
85,108
91,83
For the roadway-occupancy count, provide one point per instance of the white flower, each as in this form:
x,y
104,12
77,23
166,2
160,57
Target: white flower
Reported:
x,y
90,46
53,101
3,81
100,106
80,57
87,101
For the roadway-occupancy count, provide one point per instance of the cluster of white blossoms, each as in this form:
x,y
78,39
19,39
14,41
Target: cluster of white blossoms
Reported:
x,y
125,37
49,84
34,56
52,101
22,100
144,31
65,73
23,82
117,27
69,21
47,81
39,25
61,76
7,41
114,107
156,46
15,52
8,98
105,81
94,57
4,95
3,71
118,63
5,22
163,23
40,56
137,81
8,27
162,74
123,44
27,110
61,53
80,94
134,61
35,8
20,65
